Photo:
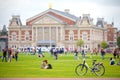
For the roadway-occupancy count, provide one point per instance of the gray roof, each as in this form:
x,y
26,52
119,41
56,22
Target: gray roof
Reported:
x,y
87,18
100,24
66,14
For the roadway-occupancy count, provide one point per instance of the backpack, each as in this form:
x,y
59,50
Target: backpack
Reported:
x,y
49,66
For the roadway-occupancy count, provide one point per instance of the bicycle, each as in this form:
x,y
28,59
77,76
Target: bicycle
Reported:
x,y
97,68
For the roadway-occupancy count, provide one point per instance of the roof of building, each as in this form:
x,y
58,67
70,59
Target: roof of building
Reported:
x,y
66,14
55,13
100,22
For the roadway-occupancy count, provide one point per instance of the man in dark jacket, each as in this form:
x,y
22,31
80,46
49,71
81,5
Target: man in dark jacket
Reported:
x,y
4,55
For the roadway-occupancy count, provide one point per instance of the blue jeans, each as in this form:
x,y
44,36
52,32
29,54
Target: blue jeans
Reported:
x,y
16,58
83,55
102,57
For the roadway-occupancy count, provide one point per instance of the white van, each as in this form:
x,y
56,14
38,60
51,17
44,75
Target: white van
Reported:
x,y
43,49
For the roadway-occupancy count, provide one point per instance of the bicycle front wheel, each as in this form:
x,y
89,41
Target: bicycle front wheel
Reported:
x,y
81,69
99,70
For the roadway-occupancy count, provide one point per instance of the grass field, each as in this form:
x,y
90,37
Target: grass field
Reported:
x,y
28,66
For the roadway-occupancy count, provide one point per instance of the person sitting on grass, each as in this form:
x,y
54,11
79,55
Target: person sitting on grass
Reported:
x,y
45,65
112,61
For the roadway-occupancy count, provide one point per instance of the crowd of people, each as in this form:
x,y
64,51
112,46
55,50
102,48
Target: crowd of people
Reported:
x,y
8,54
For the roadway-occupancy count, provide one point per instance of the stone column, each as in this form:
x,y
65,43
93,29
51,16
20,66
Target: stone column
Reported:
x,y
36,34
61,34
56,34
43,33
91,39
20,37
32,36
50,34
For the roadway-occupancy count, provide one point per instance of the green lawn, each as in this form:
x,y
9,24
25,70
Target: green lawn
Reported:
x,y
28,66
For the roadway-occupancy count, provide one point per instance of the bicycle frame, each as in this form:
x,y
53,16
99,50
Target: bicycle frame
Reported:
x,y
84,62
94,68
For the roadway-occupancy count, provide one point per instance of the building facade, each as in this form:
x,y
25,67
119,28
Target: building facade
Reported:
x,y
56,28
118,33
111,35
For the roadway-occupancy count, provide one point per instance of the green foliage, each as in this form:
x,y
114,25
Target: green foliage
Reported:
x,y
118,42
80,42
104,44
28,66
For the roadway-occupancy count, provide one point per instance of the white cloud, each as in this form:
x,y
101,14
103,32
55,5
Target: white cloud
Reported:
x,y
108,9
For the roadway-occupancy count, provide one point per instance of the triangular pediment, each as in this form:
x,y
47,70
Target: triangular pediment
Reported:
x,y
48,19
66,18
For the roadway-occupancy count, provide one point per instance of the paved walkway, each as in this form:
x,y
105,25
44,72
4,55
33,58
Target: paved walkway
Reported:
x,y
59,78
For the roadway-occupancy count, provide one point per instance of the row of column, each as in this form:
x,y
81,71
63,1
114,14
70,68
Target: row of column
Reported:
x,y
50,33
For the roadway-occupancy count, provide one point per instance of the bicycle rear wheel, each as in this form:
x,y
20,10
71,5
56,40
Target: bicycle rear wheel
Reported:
x,y
81,69
99,70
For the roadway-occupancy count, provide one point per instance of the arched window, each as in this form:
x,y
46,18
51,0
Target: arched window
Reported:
x,y
14,36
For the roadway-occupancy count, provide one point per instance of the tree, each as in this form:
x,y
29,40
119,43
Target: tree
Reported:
x,y
80,42
4,31
104,44
118,42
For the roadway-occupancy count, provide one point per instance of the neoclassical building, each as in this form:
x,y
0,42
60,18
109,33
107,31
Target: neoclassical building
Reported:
x,y
56,28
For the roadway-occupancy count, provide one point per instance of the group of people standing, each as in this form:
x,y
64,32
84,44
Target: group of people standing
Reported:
x,y
76,54
116,54
8,54
55,51
102,51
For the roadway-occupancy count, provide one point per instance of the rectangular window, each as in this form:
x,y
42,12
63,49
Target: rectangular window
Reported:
x,y
14,37
85,36
71,37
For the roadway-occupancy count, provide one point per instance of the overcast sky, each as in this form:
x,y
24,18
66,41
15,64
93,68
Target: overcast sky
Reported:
x,y
107,9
